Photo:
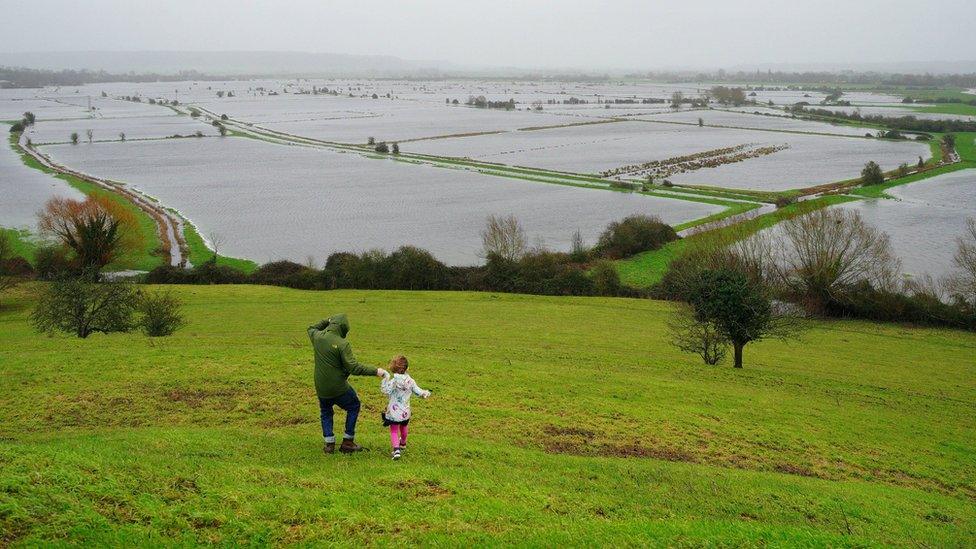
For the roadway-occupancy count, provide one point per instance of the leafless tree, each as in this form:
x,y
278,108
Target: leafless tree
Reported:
x,y
831,249
505,237
216,240
693,336
121,136
90,135
962,282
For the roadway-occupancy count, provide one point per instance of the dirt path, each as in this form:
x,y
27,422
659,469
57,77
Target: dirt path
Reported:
x,y
169,227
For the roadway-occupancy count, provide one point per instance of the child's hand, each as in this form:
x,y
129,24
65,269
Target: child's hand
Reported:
x,y
427,394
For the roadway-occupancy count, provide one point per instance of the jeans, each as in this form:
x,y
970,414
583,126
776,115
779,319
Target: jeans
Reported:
x,y
349,402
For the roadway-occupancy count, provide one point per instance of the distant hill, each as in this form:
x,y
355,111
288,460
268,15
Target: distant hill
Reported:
x,y
270,63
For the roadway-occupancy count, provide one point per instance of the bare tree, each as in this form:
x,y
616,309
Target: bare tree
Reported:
x,y
216,240
505,237
693,336
832,249
962,282
90,135
121,136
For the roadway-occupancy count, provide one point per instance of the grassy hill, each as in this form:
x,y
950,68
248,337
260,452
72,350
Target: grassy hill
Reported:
x,y
553,420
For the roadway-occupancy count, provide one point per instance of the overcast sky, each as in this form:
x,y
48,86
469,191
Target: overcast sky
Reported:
x,y
609,34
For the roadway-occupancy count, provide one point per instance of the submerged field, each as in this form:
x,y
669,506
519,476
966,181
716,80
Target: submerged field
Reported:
x,y
924,219
545,427
270,201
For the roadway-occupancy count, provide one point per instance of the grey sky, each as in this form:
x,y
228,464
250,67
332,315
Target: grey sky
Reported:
x,y
527,33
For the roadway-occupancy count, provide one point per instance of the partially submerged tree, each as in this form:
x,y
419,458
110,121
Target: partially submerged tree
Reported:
x,y
962,282
97,230
829,251
872,174
504,237
83,307
91,136
74,138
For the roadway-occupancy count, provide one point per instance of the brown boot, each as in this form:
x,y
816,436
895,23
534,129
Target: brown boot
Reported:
x,y
329,448
348,446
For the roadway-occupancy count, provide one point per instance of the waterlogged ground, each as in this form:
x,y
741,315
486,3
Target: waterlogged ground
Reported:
x,y
270,201
23,190
925,220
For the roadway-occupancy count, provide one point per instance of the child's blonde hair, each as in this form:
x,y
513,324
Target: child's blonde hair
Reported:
x,y
399,364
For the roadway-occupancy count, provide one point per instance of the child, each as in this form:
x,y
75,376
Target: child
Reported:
x,y
397,414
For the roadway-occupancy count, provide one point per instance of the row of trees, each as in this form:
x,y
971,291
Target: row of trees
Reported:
x,y
511,265
904,123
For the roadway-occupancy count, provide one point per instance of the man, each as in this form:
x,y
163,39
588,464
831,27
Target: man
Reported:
x,y
334,363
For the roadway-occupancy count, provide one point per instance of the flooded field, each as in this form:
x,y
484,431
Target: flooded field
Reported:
x,y
24,190
273,201
925,220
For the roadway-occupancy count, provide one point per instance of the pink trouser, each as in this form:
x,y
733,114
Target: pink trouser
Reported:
x,y
398,435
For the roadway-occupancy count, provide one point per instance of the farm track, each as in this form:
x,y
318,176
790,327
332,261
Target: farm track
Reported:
x,y
169,227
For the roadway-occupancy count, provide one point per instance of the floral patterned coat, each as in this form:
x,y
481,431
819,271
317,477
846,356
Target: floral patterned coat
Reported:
x,y
399,387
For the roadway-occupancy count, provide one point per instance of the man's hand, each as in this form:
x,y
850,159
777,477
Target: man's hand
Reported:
x,y
380,372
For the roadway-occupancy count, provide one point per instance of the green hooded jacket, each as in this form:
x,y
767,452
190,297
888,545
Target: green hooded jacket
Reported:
x,y
333,357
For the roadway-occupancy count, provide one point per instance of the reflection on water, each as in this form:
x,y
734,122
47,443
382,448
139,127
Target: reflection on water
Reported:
x,y
925,220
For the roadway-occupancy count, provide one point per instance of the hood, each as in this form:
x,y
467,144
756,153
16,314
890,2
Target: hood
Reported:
x,y
401,381
338,324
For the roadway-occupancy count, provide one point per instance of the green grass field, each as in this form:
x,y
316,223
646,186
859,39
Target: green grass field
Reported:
x,y
553,421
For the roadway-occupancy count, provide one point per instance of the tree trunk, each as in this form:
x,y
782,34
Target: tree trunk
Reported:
x,y
738,354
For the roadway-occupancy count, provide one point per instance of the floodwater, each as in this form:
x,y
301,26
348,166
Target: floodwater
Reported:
x,y
23,190
268,201
925,220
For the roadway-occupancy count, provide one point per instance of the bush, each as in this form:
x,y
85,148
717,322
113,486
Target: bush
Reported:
x,y
211,273
75,305
284,273
168,274
606,279
633,235
382,148
412,268
784,201
161,313
17,127
52,262
872,174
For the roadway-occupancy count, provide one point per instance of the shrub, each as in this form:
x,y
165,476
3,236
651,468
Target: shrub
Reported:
x,y
51,262
211,273
606,279
632,235
872,174
412,268
17,127
784,201
161,313
168,274
284,273
79,306
382,148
